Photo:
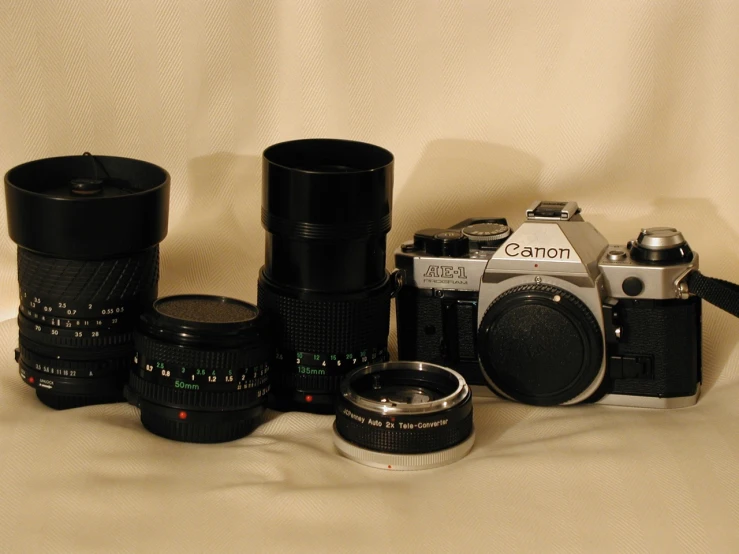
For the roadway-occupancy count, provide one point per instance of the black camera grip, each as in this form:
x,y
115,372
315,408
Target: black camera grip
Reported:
x,y
720,293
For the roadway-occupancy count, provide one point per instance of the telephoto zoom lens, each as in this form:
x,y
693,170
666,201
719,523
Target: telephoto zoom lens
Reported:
x,y
202,371
404,416
326,207
88,230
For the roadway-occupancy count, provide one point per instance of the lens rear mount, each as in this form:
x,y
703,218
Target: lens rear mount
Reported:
x,y
404,416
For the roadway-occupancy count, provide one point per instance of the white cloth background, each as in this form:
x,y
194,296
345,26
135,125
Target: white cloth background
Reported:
x,y
629,108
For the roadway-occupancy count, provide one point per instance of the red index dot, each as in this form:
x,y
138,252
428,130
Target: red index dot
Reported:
x,y
31,380
182,415
309,398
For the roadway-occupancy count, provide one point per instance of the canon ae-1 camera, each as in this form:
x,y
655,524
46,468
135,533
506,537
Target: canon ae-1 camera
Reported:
x,y
552,313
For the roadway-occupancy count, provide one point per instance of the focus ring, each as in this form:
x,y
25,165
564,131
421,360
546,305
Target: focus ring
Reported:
x,y
200,399
77,284
328,325
154,349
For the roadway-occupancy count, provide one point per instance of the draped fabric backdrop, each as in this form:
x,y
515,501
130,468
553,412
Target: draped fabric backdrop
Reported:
x,y
629,108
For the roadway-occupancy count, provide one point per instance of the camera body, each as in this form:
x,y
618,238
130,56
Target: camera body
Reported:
x,y
553,314
436,308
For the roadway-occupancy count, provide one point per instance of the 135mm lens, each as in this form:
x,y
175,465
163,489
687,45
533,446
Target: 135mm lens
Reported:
x,y
326,207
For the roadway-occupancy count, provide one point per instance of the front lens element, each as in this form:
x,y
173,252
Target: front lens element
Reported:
x,y
404,416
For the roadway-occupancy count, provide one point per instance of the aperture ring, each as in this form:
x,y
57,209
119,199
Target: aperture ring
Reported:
x,y
61,367
107,389
325,231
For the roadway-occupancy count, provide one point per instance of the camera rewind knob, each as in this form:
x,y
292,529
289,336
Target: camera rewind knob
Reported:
x,y
443,242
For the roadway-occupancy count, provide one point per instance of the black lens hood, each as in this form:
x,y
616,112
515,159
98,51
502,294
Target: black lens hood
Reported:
x,y
87,207
327,189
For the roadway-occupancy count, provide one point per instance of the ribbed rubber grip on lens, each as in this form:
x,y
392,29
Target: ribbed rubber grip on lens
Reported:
x,y
329,325
88,281
153,349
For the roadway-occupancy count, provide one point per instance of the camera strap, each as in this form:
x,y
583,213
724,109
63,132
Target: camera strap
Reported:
x,y
720,293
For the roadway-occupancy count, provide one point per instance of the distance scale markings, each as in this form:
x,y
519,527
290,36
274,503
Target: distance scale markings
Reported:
x,y
310,363
70,323
223,379
65,308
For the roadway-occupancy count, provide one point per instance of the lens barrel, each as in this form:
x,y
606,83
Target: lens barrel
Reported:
x,y
404,416
326,207
202,371
88,229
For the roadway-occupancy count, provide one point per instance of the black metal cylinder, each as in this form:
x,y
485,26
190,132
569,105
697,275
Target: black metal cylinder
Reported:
x,y
326,207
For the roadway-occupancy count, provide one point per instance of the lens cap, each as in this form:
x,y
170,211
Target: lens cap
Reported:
x,y
202,319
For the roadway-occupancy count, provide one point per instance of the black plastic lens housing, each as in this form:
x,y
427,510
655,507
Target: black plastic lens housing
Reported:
x,y
202,371
406,413
88,230
326,207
